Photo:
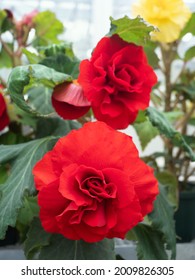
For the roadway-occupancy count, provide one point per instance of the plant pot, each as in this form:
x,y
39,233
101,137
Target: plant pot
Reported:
x,y
185,215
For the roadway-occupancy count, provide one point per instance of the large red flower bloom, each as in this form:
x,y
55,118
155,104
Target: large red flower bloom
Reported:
x,y
117,80
4,119
93,185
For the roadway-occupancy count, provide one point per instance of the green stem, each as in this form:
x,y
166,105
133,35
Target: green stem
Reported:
x,y
6,47
167,57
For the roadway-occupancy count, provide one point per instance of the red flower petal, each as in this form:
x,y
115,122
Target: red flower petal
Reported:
x,y
52,204
43,172
4,118
69,186
97,217
146,186
69,102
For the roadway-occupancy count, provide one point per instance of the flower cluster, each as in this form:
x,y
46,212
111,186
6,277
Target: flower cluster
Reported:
x,y
92,184
116,82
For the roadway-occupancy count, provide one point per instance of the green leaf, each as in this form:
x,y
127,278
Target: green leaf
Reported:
x,y
47,246
10,138
39,98
163,221
189,90
190,53
169,182
173,116
32,57
150,245
5,22
5,59
135,31
190,140
20,182
63,48
152,57
29,210
3,15
3,174
141,117
47,28
159,120
61,248
189,28
63,64
192,121
59,57
25,118
146,132
156,99
54,126
34,76
36,239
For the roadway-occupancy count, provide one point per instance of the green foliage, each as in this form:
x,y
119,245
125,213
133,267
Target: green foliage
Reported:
x,y
141,117
189,28
150,245
63,64
162,220
47,28
40,80
29,210
58,57
190,141
3,16
22,158
5,23
173,116
3,173
5,60
32,57
45,246
192,121
54,126
146,132
36,239
159,120
39,98
155,237
190,53
169,182
131,30
152,57
61,248
10,138
62,48
188,90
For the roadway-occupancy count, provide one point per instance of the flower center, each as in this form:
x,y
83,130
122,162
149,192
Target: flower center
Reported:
x,y
98,188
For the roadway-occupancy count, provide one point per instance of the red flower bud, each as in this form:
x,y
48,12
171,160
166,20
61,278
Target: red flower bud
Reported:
x,y
4,118
69,101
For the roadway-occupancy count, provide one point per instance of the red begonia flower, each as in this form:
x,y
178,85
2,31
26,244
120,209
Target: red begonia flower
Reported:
x,y
69,102
4,118
93,185
117,80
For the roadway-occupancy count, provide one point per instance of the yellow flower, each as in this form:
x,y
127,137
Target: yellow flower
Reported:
x,y
169,16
